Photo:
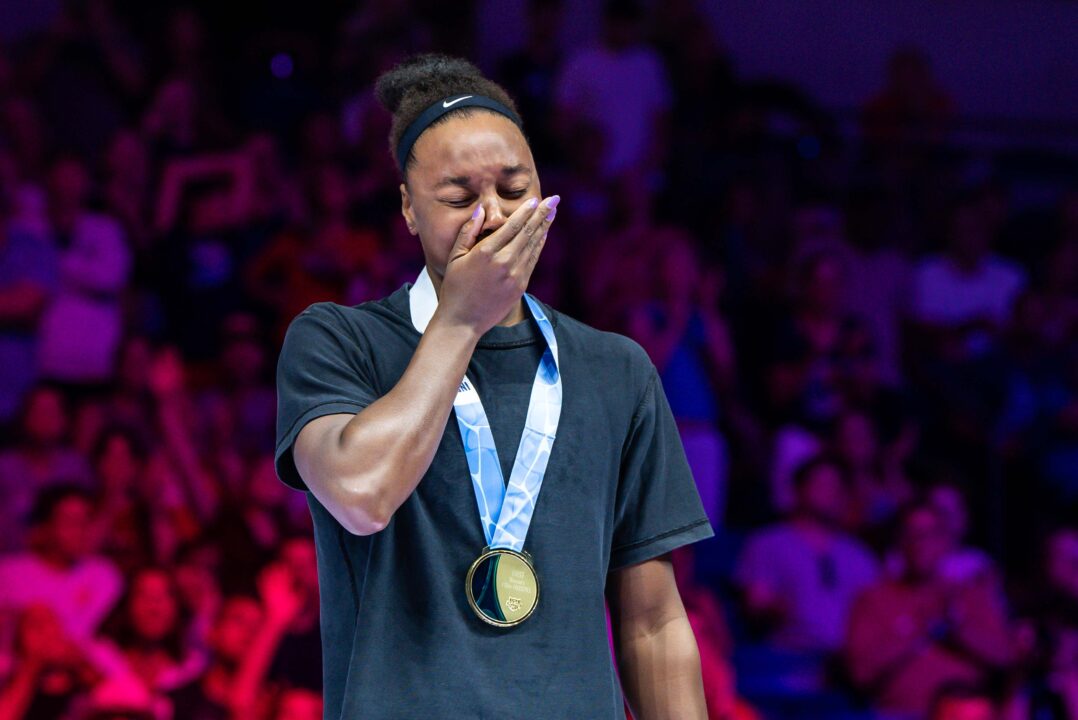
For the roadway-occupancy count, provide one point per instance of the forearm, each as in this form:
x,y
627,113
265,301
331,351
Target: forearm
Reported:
x,y
251,674
364,472
660,671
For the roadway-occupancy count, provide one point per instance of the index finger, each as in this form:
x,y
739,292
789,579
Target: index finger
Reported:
x,y
501,237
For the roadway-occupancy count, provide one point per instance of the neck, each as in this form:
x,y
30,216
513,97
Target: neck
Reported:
x,y
515,315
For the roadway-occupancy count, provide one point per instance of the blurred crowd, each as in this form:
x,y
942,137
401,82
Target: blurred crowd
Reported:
x,y
869,338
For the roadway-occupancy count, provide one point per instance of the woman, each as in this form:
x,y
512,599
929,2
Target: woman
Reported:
x,y
143,639
416,616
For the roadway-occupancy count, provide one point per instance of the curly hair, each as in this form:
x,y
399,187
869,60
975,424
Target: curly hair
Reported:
x,y
410,87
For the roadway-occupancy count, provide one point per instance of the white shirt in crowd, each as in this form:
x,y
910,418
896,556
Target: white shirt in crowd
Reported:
x,y
81,328
944,294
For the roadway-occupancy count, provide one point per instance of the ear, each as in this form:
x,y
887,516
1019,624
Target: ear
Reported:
x,y
407,211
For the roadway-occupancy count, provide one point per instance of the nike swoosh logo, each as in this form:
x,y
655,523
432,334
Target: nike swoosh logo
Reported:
x,y
447,103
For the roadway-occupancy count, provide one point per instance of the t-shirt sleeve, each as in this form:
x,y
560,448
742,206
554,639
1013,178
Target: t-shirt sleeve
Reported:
x,y
322,370
657,508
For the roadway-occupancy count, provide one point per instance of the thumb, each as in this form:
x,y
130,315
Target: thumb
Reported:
x,y
469,232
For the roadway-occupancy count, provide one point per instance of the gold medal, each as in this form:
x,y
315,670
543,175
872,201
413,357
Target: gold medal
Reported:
x,y
502,587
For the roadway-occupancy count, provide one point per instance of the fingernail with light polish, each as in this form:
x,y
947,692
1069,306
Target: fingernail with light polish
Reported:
x,y
532,203
554,200
551,215
478,209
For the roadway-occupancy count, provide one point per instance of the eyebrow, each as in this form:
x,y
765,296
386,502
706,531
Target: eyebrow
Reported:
x,y
465,180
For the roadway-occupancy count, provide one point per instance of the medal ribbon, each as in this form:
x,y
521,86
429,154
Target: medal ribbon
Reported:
x,y
505,510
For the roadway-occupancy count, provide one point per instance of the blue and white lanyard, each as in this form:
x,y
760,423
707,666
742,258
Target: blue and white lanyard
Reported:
x,y
505,510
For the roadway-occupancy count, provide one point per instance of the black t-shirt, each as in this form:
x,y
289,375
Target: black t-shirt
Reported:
x,y
399,639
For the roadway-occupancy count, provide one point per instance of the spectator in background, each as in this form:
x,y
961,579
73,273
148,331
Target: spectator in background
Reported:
x,y
42,458
128,186
912,636
799,578
962,301
244,639
324,259
964,297
688,341
619,85
961,563
911,108
298,661
878,484
804,368
530,73
62,570
1053,611
123,528
878,279
82,325
28,276
204,209
243,387
143,638
49,671
88,71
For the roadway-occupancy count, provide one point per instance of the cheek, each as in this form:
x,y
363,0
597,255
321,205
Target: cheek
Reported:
x,y
438,234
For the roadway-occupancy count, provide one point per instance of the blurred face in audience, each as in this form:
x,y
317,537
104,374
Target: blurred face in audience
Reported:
x,y
856,439
299,705
118,466
478,159
822,496
237,624
45,421
951,508
924,543
154,607
67,532
196,577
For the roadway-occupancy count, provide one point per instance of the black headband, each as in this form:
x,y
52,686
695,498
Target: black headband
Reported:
x,y
440,108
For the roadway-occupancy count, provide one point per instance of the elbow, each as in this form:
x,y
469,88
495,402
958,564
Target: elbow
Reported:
x,y
363,511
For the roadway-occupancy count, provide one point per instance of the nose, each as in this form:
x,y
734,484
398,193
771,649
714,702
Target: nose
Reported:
x,y
494,211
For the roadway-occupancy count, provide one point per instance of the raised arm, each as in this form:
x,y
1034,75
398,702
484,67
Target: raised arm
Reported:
x,y
363,467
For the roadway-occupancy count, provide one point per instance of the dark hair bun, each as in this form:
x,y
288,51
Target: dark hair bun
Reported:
x,y
427,74
412,86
